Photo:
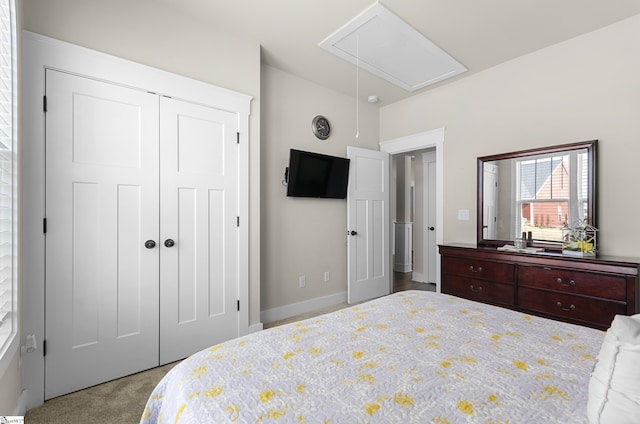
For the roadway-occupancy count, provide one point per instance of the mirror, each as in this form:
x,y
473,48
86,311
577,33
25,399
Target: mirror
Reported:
x,y
536,191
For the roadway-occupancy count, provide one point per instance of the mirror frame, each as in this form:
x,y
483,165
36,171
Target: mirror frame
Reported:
x,y
591,147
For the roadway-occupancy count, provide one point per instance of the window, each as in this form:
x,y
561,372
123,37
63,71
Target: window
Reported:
x,y
547,200
8,186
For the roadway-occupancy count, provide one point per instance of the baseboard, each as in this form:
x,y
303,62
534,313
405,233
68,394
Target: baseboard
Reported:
x,y
21,408
287,311
402,267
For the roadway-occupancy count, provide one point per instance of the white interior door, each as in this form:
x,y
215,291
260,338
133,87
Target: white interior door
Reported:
x,y
430,249
490,193
369,273
199,213
101,207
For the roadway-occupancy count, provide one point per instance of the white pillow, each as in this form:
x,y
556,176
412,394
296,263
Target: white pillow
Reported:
x,y
614,387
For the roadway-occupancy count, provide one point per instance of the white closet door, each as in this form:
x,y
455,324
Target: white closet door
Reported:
x,y
198,212
101,206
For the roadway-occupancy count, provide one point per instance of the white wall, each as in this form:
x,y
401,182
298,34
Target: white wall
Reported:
x,y
10,387
304,236
582,89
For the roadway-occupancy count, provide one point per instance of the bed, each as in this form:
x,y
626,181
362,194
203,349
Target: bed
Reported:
x,y
410,357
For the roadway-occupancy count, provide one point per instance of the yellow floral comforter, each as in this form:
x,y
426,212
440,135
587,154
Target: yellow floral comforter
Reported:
x,y
411,357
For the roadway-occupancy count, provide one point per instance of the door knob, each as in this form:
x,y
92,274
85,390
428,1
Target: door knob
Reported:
x,y
354,233
169,243
431,228
149,244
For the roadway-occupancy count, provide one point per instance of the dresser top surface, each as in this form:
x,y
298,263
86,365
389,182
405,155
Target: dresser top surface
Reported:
x,y
547,255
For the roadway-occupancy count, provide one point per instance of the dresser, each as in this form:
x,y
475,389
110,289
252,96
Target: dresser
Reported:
x,y
585,291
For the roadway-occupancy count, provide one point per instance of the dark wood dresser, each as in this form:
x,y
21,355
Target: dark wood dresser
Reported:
x,y
585,291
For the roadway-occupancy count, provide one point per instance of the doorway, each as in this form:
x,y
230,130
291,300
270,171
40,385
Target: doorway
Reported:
x,y
414,218
433,141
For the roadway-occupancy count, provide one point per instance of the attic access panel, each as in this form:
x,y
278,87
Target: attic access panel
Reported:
x,y
383,44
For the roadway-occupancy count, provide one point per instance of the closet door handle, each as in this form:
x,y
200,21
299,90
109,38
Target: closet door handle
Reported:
x,y
149,244
169,243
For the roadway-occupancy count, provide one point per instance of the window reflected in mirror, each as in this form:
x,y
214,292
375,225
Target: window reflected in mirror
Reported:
x,y
536,192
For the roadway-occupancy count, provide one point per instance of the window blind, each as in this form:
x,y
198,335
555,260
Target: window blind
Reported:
x,y
552,194
8,248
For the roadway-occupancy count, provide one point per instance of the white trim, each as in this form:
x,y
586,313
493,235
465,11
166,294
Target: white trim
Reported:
x,y
404,268
255,328
377,18
304,307
74,59
426,158
243,229
425,140
419,277
41,53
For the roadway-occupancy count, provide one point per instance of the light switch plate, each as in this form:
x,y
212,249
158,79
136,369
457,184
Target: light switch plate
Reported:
x,y
463,214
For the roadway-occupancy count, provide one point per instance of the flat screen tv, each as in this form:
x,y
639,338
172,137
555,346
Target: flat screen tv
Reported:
x,y
316,175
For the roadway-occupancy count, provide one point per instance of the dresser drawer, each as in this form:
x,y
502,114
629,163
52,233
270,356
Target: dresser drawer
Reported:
x,y
599,312
576,282
483,291
473,268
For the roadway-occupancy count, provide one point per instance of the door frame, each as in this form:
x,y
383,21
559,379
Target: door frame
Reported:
x,y
424,140
41,53
426,197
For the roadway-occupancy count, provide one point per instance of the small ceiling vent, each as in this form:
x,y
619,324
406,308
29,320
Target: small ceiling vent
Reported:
x,y
383,44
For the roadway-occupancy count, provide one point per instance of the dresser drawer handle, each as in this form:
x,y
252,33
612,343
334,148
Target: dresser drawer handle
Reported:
x,y
474,289
570,308
571,283
474,269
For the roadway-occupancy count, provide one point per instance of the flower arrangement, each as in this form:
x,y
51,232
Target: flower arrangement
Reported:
x,y
579,240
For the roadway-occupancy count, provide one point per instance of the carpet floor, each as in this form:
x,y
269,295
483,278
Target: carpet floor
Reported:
x,y
118,401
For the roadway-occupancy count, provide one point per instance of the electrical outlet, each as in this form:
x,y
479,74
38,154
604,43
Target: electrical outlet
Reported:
x,y
302,281
327,276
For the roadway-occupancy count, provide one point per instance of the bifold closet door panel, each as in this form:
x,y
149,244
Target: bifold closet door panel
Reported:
x,y
199,229
102,196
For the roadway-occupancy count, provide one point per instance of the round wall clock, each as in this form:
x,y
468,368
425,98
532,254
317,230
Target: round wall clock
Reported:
x,y
321,127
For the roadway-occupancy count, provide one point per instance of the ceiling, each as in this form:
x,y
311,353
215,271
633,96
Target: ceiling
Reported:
x,y
477,33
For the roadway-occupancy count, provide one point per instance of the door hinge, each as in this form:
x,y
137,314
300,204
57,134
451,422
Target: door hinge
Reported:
x,y
238,305
238,221
44,225
44,104
238,137
44,348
